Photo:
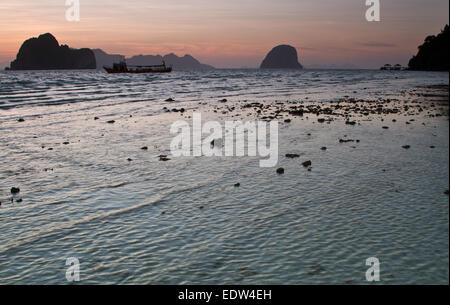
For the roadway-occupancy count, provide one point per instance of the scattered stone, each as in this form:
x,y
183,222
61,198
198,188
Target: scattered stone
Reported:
x,y
385,127
307,163
15,190
144,148
280,171
406,146
111,122
216,142
21,120
324,148
446,192
321,120
432,146
292,156
223,100
170,100
163,158
346,141
19,200
201,207
287,121
96,118
296,112
129,159
237,185
350,123
66,143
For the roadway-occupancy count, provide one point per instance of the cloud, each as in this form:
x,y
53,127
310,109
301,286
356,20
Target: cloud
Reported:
x,y
378,45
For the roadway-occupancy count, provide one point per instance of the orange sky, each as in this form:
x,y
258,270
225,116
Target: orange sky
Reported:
x,y
231,33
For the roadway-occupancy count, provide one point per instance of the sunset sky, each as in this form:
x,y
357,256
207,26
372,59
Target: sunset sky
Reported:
x,y
231,33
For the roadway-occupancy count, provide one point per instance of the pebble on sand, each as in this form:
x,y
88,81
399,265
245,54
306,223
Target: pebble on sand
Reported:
x,y
144,148
292,156
111,122
280,171
307,163
345,141
15,190
163,158
20,120
237,185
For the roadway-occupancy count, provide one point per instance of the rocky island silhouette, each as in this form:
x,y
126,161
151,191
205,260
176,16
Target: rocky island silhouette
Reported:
x,y
45,53
281,57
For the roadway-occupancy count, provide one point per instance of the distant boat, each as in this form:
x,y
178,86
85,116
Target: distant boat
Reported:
x,y
389,67
122,67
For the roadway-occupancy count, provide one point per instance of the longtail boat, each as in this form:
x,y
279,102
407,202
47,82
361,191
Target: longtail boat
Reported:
x,y
122,67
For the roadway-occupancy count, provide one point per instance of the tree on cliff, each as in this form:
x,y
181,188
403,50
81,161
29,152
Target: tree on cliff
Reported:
x,y
433,53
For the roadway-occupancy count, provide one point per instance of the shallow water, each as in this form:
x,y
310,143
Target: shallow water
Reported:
x,y
183,221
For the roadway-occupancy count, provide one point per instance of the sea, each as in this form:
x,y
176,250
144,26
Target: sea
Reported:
x,y
73,141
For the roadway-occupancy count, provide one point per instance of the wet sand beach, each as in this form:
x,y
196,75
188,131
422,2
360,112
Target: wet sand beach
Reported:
x,y
365,174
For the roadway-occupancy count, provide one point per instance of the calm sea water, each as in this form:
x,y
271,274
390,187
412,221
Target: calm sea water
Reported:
x,y
183,221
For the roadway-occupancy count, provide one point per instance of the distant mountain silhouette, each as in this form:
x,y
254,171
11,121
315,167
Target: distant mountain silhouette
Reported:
x,y
333,66
104,59
45,53
187,62
281,57
433,54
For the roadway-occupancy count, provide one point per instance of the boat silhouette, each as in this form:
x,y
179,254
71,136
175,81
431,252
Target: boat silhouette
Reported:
x,y
122,67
